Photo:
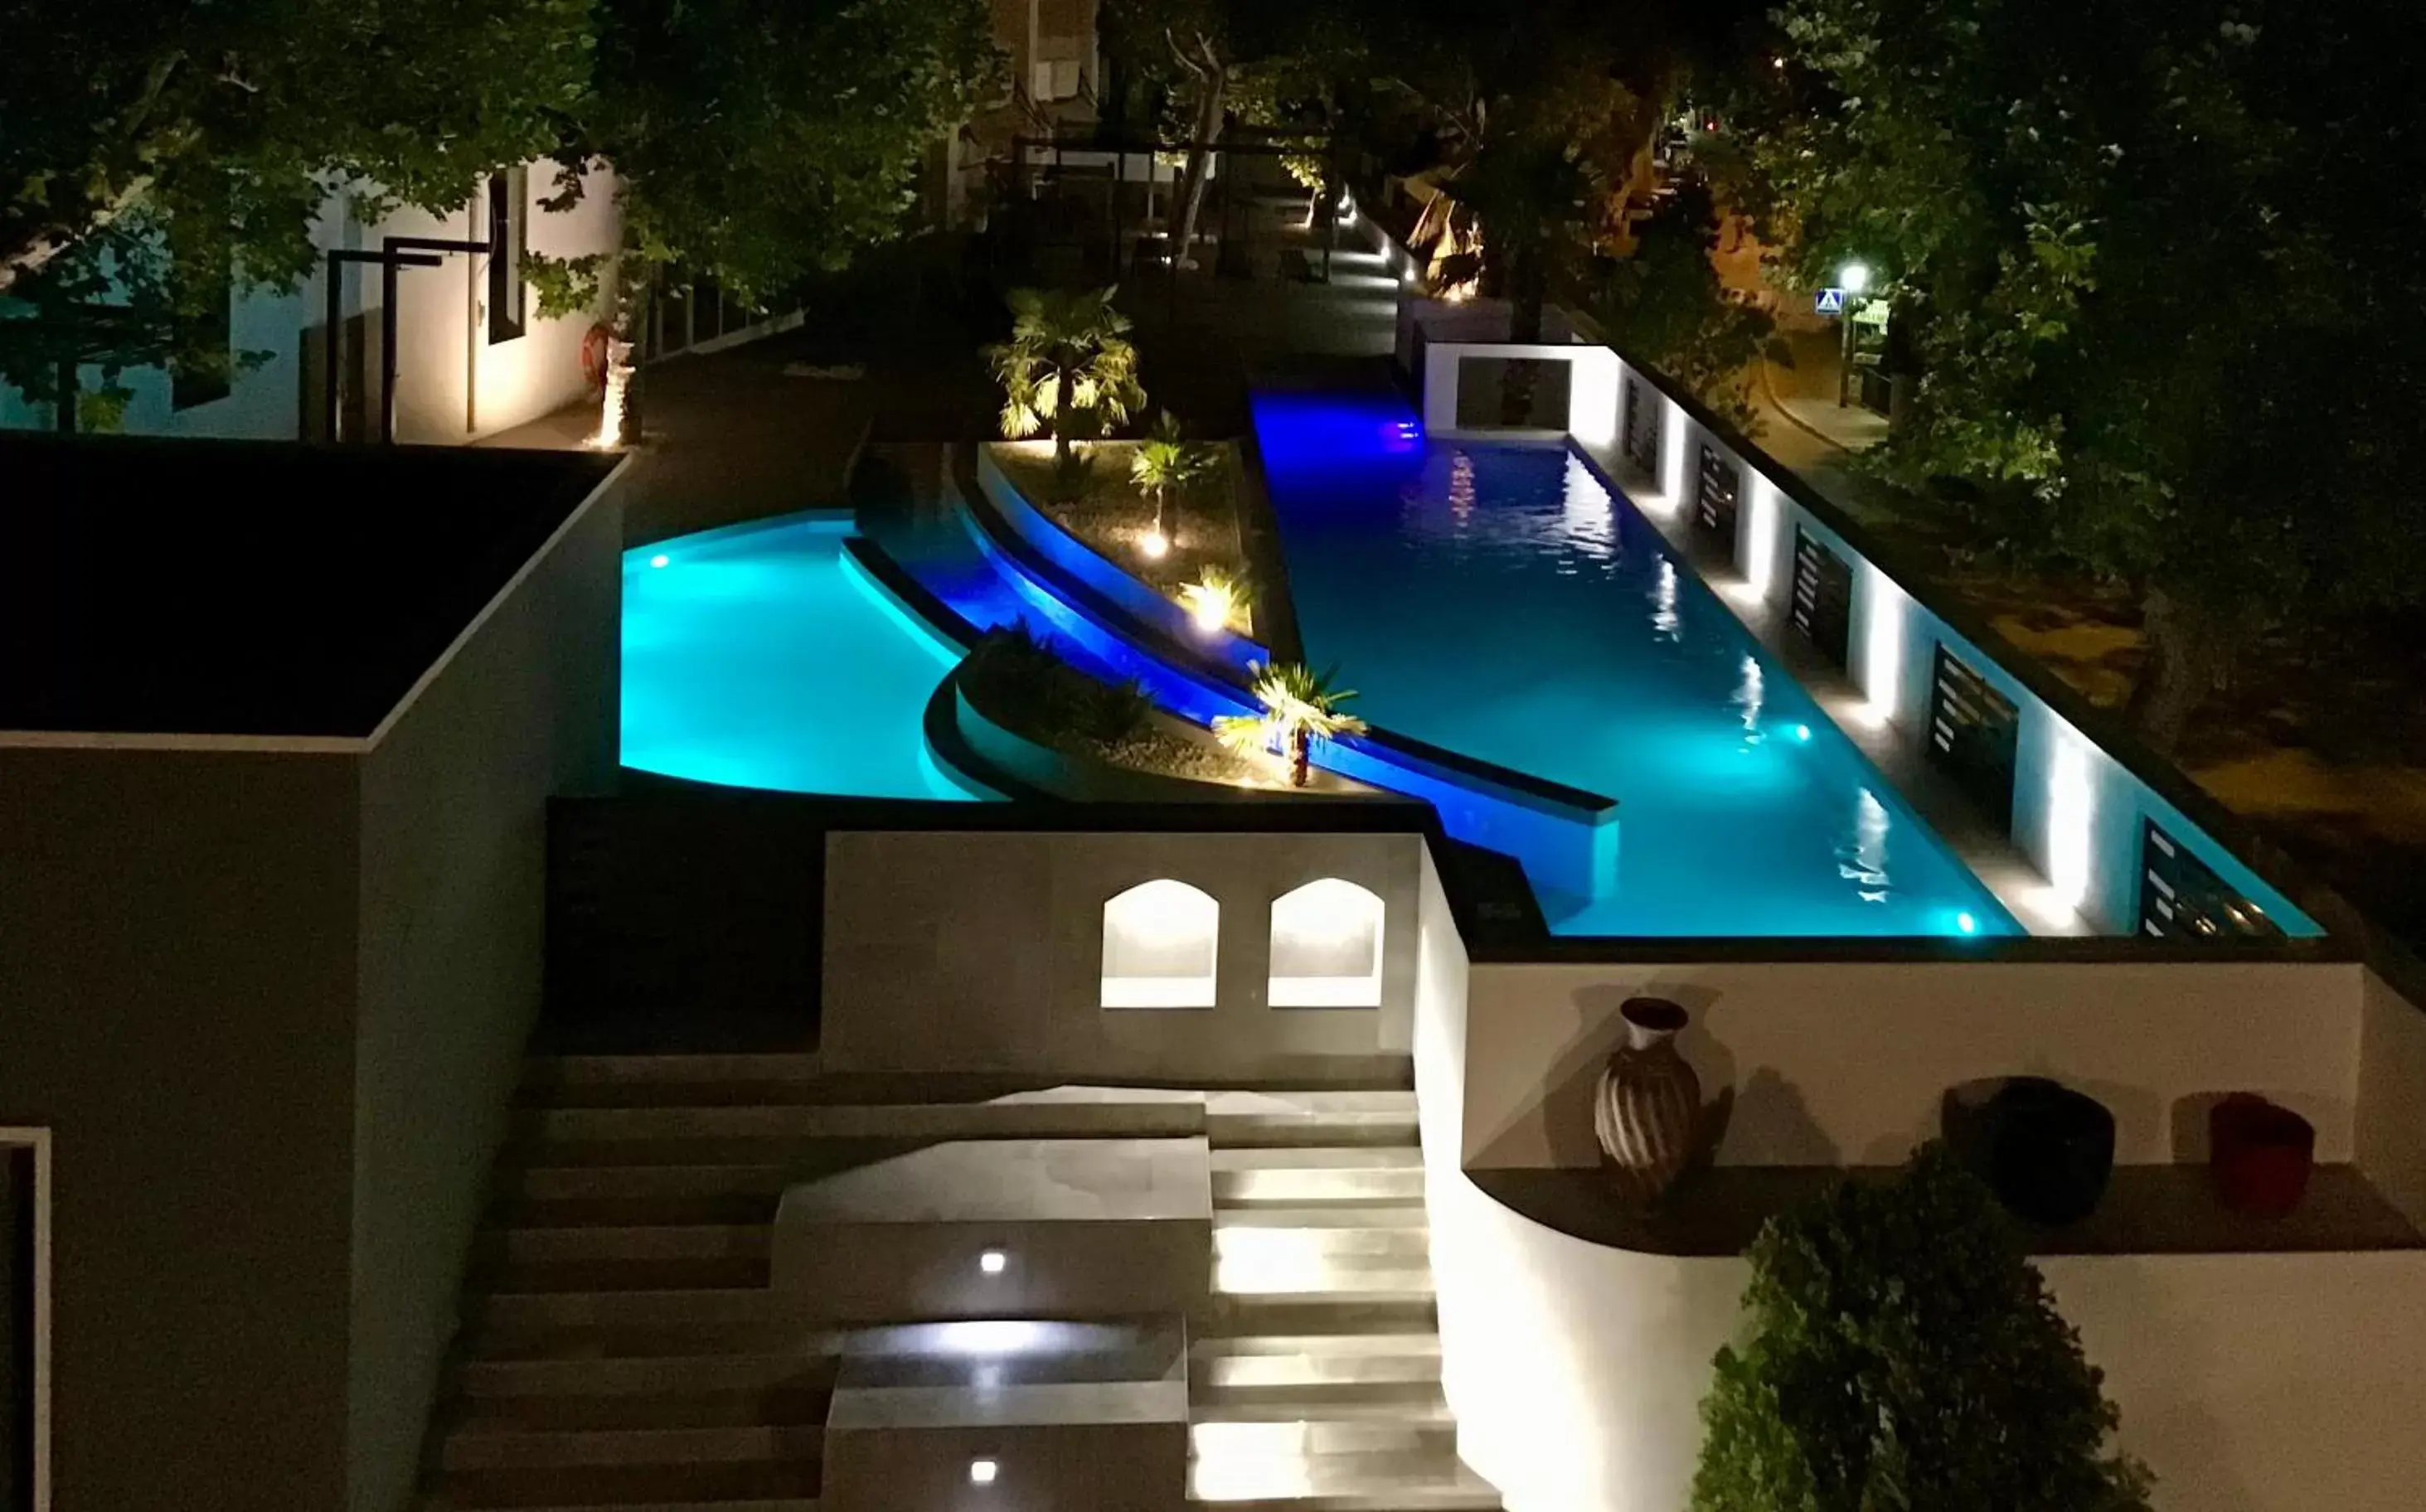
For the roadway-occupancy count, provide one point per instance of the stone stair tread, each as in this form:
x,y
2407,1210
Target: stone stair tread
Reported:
x,y
1345,1482
563,1182
787,1503
638,1376
1394,1100
1316,1157
1416,1411
1243,1346
719,1305
1367,1287
548,1242
1323,1215
538,1129
475,1446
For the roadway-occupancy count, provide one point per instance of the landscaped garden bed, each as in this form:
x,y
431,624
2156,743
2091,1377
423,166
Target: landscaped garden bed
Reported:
x,y
1020,685
1099,500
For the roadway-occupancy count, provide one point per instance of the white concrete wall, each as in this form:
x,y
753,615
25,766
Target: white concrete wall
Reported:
x,y
2261,1383
2249,1383
984,952
2078,811
1845,1063
453,385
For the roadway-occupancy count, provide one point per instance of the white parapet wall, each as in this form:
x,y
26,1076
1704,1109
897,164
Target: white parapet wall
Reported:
x,y
2248,1382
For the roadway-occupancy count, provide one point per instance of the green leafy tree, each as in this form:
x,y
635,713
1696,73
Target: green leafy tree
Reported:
x,y
1901,1353
158,157
758,141
1665,305
1301,706
2162,285
1068,367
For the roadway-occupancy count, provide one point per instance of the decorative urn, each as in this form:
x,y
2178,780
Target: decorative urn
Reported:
x,y
1648,1103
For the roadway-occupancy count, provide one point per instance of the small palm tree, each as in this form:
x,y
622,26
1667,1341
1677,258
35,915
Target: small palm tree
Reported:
x,y
1163,465
1300,707
1069,355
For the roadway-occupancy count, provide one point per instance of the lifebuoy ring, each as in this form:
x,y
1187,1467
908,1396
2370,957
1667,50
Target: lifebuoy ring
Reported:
x,y
594,346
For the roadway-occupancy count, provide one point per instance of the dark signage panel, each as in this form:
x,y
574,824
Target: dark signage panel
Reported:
x,y
1823,598
1640,438
1714,511
2182,898
1973,732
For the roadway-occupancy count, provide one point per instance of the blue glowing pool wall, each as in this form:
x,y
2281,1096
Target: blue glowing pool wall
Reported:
x,y
1563,845
2079,811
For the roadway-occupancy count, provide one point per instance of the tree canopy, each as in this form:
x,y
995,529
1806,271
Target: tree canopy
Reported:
x,y
2163,273
760,140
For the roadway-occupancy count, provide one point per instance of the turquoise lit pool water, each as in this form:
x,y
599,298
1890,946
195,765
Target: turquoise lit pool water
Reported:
x,y
1498,602
763,657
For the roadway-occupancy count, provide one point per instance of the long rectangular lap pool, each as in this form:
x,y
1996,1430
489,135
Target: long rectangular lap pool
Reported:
x,y
1498,601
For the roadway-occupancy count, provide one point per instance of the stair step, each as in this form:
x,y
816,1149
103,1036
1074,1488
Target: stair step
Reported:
x,y
1273,1366
1315,1276
775,1483
1403,1403
654,1376
1401,1218
547,1450
1333,1175
540,1133
1248,1441
622,1309
537,1342
622,1195
547,1244
788,1503
770,1405
1244,1130
1233,1314
1382,1482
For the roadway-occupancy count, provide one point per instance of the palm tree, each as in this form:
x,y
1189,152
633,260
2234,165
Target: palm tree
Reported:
x,y
1163,465
1069,355
1300,707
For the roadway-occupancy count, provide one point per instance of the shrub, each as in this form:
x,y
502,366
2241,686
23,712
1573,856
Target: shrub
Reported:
x,y
1904,1354
1019,682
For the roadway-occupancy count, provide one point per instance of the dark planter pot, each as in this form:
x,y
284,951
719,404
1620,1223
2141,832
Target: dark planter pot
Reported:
x,y
2046,1151
2261,1154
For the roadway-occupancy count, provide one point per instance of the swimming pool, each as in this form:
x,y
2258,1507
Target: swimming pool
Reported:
x,y
1498,602
763,656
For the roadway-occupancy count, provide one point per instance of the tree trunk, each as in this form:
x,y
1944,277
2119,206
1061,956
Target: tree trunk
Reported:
x,y
2190,647
1301,757
1527,291
1065,395
1212,83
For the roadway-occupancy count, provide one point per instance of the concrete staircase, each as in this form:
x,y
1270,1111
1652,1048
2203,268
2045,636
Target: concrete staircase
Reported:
x,y
617,1351
1313,1380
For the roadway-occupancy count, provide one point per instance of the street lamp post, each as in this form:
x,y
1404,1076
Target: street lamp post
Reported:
x,y
1852,278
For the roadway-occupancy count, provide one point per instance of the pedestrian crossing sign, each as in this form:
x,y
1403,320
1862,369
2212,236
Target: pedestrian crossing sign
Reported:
x,y
1829,301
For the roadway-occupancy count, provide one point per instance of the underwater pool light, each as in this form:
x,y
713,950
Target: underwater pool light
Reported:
x,y
1966,922
659,560
1802,732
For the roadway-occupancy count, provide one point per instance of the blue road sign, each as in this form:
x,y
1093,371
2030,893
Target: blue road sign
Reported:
x,y
1828,301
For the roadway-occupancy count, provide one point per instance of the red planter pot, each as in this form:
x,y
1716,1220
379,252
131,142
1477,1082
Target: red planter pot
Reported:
x,y
2261,1154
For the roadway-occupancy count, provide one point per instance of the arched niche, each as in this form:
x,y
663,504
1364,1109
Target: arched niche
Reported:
x,y
1160,941
1327,946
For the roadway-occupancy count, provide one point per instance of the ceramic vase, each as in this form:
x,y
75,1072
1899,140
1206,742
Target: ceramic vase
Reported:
x,y
1648,1103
